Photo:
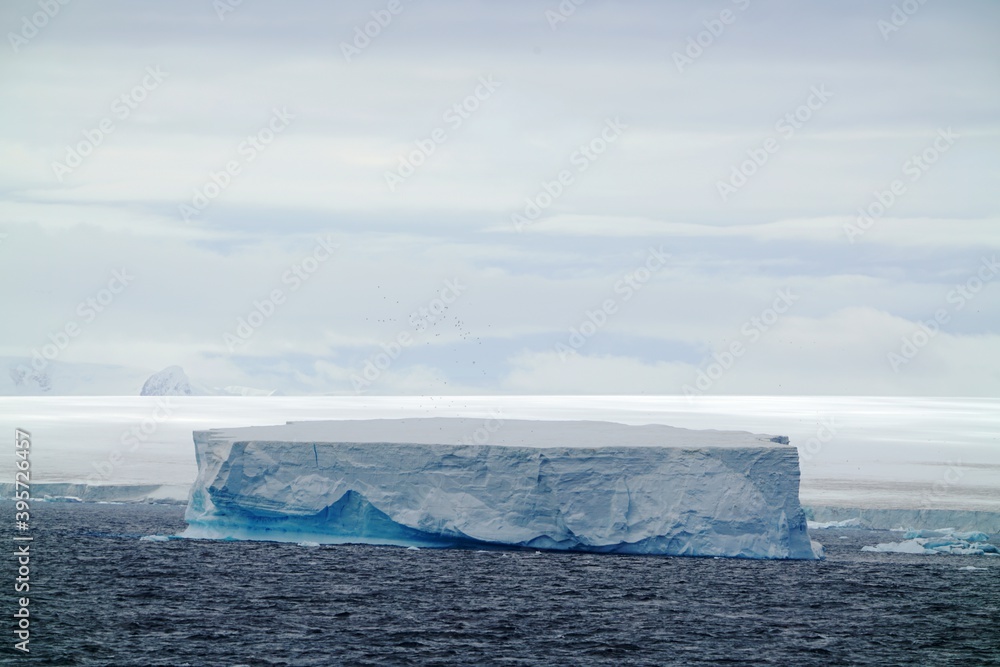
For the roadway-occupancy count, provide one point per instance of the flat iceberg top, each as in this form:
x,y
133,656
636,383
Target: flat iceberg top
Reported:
x,y
494,431
589,486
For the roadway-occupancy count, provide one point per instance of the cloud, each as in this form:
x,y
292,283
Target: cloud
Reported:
x,y
845,353
655,184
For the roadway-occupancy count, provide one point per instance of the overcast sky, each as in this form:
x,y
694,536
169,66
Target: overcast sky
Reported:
x,y
688,173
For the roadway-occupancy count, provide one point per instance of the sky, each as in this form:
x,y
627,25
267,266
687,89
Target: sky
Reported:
x,y
438,198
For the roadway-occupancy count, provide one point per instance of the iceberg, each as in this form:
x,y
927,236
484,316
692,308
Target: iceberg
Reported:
x,y
442,482
938,542
171,381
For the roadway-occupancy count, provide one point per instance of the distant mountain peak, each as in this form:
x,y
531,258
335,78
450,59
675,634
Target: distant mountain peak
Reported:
x,y
171,381
24,377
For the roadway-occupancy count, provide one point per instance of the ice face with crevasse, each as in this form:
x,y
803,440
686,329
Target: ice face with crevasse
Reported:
x,y
584,486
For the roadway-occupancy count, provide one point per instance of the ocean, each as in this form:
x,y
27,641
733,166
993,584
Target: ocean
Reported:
x,y
102,596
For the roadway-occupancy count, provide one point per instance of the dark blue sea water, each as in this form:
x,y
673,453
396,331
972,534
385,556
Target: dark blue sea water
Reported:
x,y
100,596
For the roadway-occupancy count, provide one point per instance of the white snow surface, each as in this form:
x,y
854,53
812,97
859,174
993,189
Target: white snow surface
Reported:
x,y
573,485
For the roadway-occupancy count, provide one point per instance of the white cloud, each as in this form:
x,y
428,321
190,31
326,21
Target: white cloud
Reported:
x,y
655,185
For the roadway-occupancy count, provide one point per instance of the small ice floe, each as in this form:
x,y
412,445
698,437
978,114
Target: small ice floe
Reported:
x,y
972,537
819,552
947,532
412,548
308,544
907,547
938,542
971,568
822,525
154,538
61,499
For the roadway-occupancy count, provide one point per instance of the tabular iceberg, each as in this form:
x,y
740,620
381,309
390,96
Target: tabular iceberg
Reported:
x,y
579,486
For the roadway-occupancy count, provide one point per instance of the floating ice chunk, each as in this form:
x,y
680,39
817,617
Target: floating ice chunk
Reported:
x,y
412,548
973,537
154,538
939,542
60,499
937,532
907,547
308,544
967,551
846,523
972,568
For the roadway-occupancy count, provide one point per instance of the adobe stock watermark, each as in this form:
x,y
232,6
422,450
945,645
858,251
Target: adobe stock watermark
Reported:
x,y
22,539
454,117
581,159
364,34
914,168
563,11
87,310
826,432
248,150
420,320
223,7
957,298
130,441
33,24
294,277
625,288
786,127
941,488
484,434
714,28
899,17
121,108
751,331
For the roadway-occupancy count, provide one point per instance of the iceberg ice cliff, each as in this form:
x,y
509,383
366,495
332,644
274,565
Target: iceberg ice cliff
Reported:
x,y
579,486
